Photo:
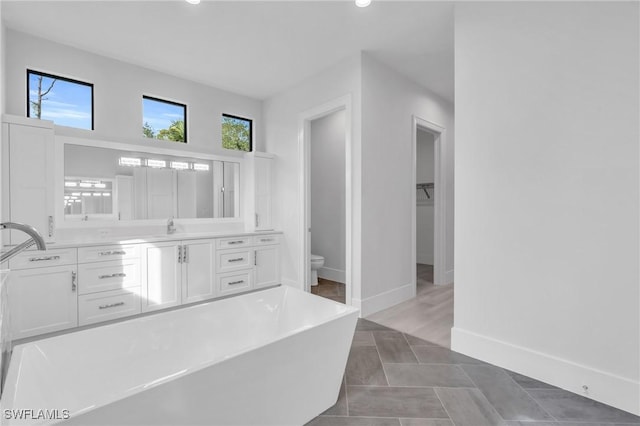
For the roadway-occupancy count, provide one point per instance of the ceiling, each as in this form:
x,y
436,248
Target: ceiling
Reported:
x,y
253,48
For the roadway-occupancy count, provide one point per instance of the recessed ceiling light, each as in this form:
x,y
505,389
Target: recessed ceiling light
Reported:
x,y
193,1
359,3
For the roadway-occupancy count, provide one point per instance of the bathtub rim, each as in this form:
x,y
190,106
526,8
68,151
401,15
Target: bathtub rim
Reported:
x,y
7,399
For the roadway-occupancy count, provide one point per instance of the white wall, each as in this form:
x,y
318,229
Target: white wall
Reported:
x,y
328,193
425,171
388,103
547,183
118,90
281,117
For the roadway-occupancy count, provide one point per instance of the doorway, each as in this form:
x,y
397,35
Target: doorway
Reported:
x,y
327,186
428,202
332,271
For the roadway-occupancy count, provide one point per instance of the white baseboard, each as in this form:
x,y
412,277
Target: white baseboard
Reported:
x,y
424,258
332,274
385,300
608,388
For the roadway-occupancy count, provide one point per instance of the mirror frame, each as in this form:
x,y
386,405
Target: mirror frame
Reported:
x,y
59,163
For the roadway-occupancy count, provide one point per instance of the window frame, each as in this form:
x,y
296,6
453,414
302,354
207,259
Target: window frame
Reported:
x,y
250,131
155,98
68,80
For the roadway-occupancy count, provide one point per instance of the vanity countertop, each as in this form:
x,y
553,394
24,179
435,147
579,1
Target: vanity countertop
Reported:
x,y
178,236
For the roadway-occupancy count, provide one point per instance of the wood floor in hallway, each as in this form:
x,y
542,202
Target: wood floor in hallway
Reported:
x,y
428,316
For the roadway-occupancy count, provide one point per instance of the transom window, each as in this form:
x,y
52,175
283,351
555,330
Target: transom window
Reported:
x,y
62,100
237,133
164,120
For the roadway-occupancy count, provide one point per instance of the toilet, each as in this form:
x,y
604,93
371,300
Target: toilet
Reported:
x,y
317,262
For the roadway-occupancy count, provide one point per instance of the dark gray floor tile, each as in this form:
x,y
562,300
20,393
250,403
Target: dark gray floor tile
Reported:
x,y
394,402
564,424
426,422
340,407
363,338
414,341
438,355
352,421
468,407
508,398
528,382
364,367
366,325
393,347
567,406
427,375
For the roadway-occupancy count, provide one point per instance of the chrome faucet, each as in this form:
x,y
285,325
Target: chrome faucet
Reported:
x,y
36,239
171,227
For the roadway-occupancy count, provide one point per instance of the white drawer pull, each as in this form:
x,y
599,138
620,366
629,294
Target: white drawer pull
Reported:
x,y
112,253
237,259
111,305
43,258
235,242
119,275
236,282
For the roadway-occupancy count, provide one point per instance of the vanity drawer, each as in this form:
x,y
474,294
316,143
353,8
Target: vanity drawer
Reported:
x,y
261,240
103,276
234,282
229,243
39,259
108,305
106,253
232,260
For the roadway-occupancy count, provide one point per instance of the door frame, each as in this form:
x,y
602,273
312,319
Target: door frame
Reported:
x,y
439,182
304,140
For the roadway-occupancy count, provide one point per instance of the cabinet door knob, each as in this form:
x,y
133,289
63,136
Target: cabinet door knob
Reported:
x,y
179,254
74,280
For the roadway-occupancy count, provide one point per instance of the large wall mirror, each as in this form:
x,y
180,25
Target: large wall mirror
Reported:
x,y
111,184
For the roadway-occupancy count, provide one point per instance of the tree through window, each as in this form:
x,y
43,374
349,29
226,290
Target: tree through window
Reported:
x,y
164,120
237,132
64,101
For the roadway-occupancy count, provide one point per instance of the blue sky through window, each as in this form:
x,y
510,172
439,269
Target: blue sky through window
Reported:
x,y
67,104
159,115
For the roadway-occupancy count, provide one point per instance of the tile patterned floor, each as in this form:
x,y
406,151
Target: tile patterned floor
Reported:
x,y
329,289
395,379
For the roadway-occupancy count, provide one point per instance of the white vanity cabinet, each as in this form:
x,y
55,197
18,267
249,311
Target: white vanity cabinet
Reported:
x,y
43,298
246,263
161,275
68,287
109,282
28,175
178,272
267,266
198,270
258,190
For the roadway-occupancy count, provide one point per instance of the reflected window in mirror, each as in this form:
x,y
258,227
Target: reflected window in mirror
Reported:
x,y
86,197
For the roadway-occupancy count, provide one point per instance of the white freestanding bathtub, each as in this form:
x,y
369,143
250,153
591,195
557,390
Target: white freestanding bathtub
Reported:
x,y
273,357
